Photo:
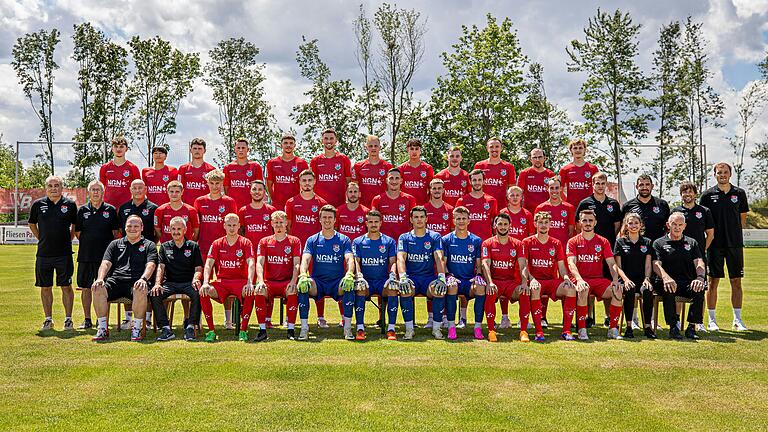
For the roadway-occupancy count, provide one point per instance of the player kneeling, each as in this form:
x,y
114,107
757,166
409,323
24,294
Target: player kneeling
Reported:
x,y
232,258
329,253
277,269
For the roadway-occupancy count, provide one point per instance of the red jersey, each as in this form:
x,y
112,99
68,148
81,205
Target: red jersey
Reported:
x,y
521,224
577,181
351,223
456,186
331,173
481,213
165,213
211,213
194,182
534,188
563,216
395,213
371,178
284,175
231,262
504,265
589,254
256,223
498,178
304,216
117,181
439,219
416,180
238,178
157,183
278,256
543,257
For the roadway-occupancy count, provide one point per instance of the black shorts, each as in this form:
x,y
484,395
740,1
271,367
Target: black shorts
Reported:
x,y
717,258
45,266
118,288
87,272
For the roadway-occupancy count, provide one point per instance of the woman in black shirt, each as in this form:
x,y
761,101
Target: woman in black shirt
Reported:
x,y
633,254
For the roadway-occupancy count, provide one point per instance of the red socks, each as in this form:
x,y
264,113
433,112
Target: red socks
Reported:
x,y
536,311
525,310
581,316
207,308
429,305
261,308
614,312
270,306
504,302
320,305
490,311
292,305
247,309
569,307
341,308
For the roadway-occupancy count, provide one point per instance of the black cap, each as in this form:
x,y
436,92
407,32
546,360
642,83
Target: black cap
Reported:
x,y
160,149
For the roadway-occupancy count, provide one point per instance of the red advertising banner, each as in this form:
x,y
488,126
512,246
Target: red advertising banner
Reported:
x,y
28,196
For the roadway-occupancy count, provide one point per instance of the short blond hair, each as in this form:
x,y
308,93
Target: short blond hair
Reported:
x,y
214,175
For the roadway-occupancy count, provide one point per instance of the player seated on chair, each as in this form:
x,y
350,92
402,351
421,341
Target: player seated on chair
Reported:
x,y
679,263
180,271
125,271
232,258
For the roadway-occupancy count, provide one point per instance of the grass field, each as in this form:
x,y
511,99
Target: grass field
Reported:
x,y
63,381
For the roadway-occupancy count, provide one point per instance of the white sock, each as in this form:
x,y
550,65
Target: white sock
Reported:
x,y
167,327
347,323
262,326
634,315
504,316
269,319
49,318
360,327
101,322
478,325
128,315
390,327
737,314
320,318
137,322
228,315
463,314
304,323
451,324
409,325
711,313
430,316
291,326
149,317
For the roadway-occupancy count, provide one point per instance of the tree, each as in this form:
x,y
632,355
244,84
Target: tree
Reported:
x,y
369,101
753,101
758,180
613,92
236,79
163,77
34,65
331,104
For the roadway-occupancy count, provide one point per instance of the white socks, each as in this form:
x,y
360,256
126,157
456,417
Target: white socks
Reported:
x,y
737,314
101,322
711,313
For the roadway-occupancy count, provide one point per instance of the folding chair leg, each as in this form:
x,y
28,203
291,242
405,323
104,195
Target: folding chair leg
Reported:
x,y
282,306
172,308
639,304
119,314
236,315
655,313
621,321
682,317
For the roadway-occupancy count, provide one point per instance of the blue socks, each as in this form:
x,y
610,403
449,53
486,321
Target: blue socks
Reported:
x,y
406,305
392,309
359,309
438,303
479,308
303,305
348,303
450,306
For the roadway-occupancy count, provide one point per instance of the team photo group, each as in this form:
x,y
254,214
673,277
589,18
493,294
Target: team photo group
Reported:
x,y
298,233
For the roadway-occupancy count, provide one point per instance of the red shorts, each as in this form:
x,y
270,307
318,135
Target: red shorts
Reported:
x,y
549,287
276,288
597,286
506,287
229,287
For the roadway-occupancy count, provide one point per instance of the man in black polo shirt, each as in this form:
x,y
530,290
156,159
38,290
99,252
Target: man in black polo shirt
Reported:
x,y
729,207
653,210
680,266
52,220
179,272
699,224
125,271
96,226
140,206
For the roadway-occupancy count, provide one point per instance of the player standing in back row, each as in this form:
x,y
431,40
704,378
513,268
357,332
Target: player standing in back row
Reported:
x,y
158,176
118,174
416,173
371,173
192,175
576,176
455,180
239,174
283,173
333,170
498,174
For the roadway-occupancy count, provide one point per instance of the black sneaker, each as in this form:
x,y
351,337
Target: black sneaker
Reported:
x,y
186,323
628,333
674,333
291,334
590,322
606,322
166,334
649,334
87,324
261,337
690,333
189,333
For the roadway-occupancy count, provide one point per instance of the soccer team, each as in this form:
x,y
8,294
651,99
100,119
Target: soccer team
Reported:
x,y
350,232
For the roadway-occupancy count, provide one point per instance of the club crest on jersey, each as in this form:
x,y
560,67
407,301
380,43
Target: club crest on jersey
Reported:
x,y
64,209
698,215
336,248
382,172
656,209
598,248
221,209
266,217
382,248
145,212
552,252
485,250
587,174
427,245
402,207
314,208
423,174
86,215
141,248
445,216
337,167
687,246
463,183
503,173
294,169
287,250
734,199
359,219
563,213
513,252
609,207
486,206
165,178
187,253
126,173
249,173
105,215
470,248
523,220
643,248
239,253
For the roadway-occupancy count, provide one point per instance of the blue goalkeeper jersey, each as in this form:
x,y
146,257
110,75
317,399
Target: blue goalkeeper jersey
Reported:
x,y
328,255
461,254
421,259
374,255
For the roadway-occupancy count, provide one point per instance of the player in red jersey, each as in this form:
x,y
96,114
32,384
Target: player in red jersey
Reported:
x,y
533,181
350,219
239,174
482,206
371,173
192,175
158,176
394,206
501,260
521,218
175,207
576,176
233,260
455,180
283,173
499,174
333,170
563,214
586,252
118,174
545,274
439,213
416,173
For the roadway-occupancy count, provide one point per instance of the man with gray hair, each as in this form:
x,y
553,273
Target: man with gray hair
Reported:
x,y
52,220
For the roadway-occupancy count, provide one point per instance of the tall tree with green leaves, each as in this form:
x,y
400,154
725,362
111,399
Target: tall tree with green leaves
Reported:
x,y
237,78
753,102
369,100
163,77
615,106
34,65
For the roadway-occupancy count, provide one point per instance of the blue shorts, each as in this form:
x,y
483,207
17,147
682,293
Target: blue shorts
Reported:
x,y
422,284
375,286
464,288
328,288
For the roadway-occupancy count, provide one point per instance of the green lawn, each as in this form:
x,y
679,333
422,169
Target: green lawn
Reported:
x,y
63,381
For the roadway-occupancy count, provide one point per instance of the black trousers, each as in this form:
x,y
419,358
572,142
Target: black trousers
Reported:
x,y
169,289
629,303
695,312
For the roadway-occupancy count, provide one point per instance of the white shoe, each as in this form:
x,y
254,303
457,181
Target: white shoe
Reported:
x,y
462,323
712,326
738,325
322,323
436,332
126,325
613,333
229,325
47,325
636,325
409,333
583,334
69,325
701,328
349,334
445,323
304,333
506,323
429,323
544,323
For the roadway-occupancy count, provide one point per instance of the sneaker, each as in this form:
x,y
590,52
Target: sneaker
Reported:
x,y
409,332
165,335
341,324
243,336
322,323
539,337
360,335
349,334
544,323
69,325
674,333
613,333
126,325
261,336
429,323
492,336
462,323
712,326
189,334
452,333
211,336
738,325
636,325
445,323
506,323
229,325
136,335
185,323
269,325
701,328
629,333
102,334
391,335
583,334
436,332
690,333
479,333
524,336
87,324
649,333
606,322
568,336
590,322
304,333
291,334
